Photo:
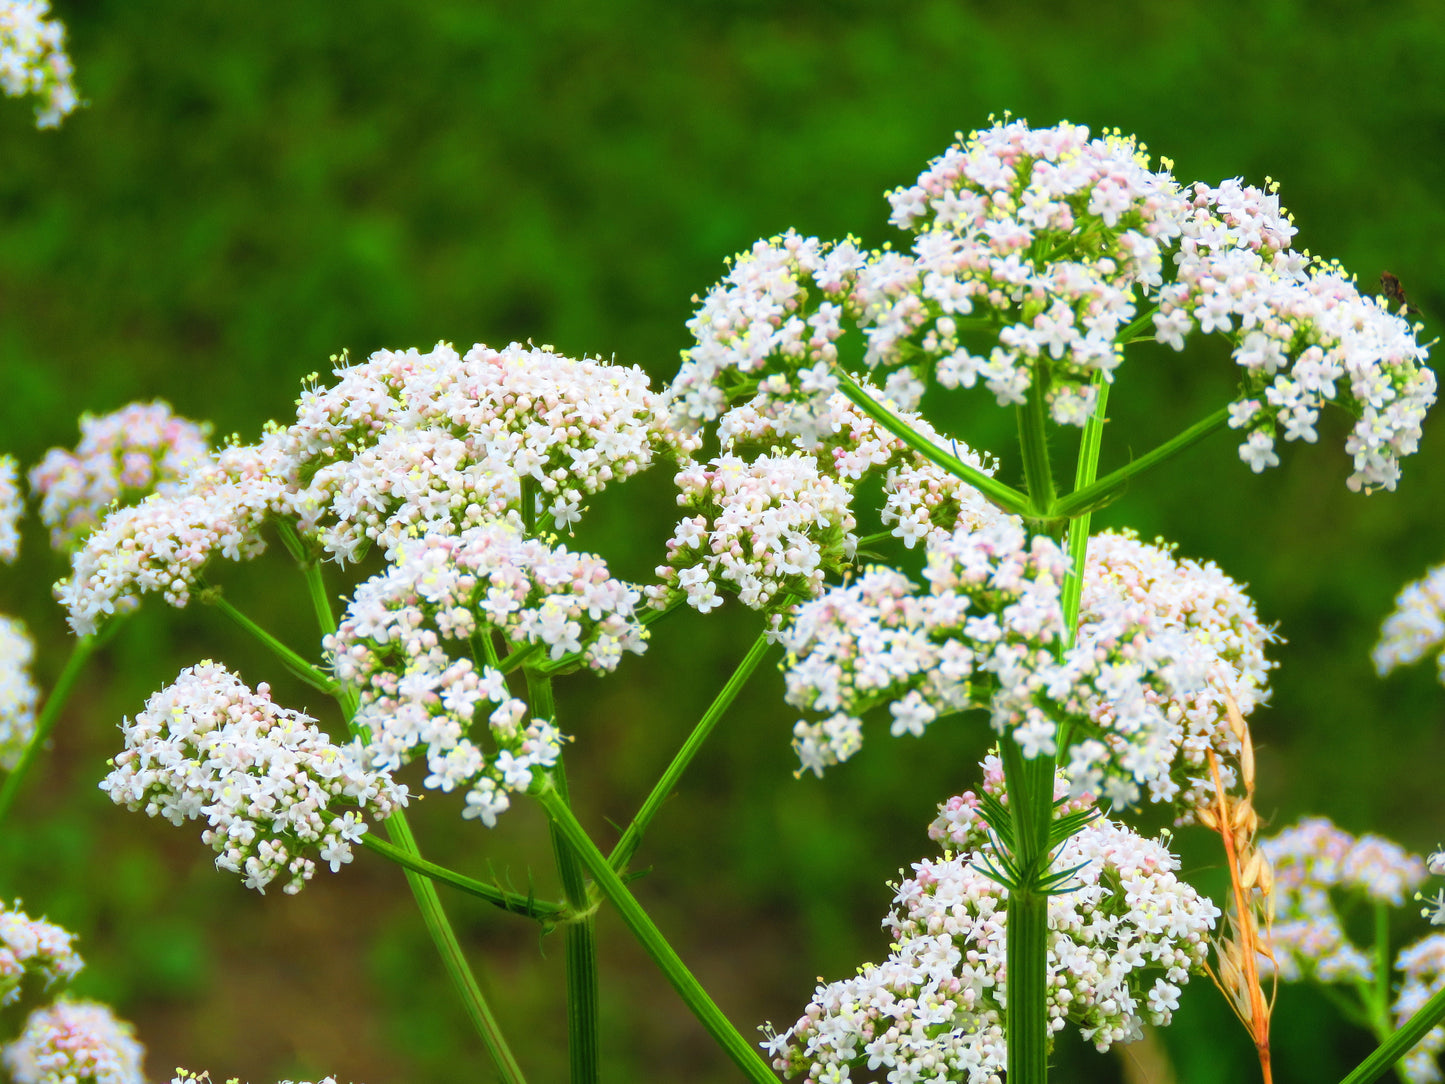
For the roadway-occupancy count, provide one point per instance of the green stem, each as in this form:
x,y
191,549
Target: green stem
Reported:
x,y
422,889
1030,787
1084,474
1399,1043
1006,497
744,1056
1380,994
455,962
293,662
1028,1024
1100,493
513,902
583,995
1033,443
632,836
49,715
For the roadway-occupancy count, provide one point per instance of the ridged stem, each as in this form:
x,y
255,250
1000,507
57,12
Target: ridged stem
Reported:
x,y
580,940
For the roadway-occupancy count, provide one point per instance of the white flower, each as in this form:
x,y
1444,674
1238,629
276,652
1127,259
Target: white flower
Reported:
x,y
33,60
18,694
32,946
270,785
12,509
75,1042
938,998
122,457
1314,864
1416,626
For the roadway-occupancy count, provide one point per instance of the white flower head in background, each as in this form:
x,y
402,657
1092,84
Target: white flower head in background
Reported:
x,y
75,1042
32,946
12,509
33,60
18,694
122,457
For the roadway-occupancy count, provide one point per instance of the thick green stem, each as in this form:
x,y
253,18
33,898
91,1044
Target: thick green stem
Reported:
x,y
632,837
455,962
1399,1043
1006,497
49,715
293,661
1030,785
1033,443
584,998
422,889
636,919
1028,1026
1100,493
513,902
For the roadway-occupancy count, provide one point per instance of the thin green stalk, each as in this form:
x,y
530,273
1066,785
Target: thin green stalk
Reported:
x,y
742,1053
1100,493
1085,472
632,836
298,666
584,998
514,902
1399,1043
1380,995
1006,497
49,715
455,962
422,889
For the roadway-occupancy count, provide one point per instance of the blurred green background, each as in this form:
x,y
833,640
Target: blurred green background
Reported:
x,y
256,186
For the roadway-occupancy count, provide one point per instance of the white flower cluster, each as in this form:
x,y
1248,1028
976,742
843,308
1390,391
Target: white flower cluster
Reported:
x,y
33,60
185,1076
1220,621
772,515
32,946
122,457
18,694
271,786
1423,967
1311,862
402,444
769,529
75,1042
1047,252
161,544
783,299
408,640
12,509
1159,643
1416,626
407,442
1121,945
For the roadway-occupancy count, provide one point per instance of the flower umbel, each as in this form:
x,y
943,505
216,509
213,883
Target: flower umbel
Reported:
x,y
1122,943
75,1042
271,786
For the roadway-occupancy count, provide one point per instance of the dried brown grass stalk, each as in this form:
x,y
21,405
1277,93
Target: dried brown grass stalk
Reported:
x,y
1244,935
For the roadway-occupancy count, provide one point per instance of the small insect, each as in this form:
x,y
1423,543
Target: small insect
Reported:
x,y
1393,291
